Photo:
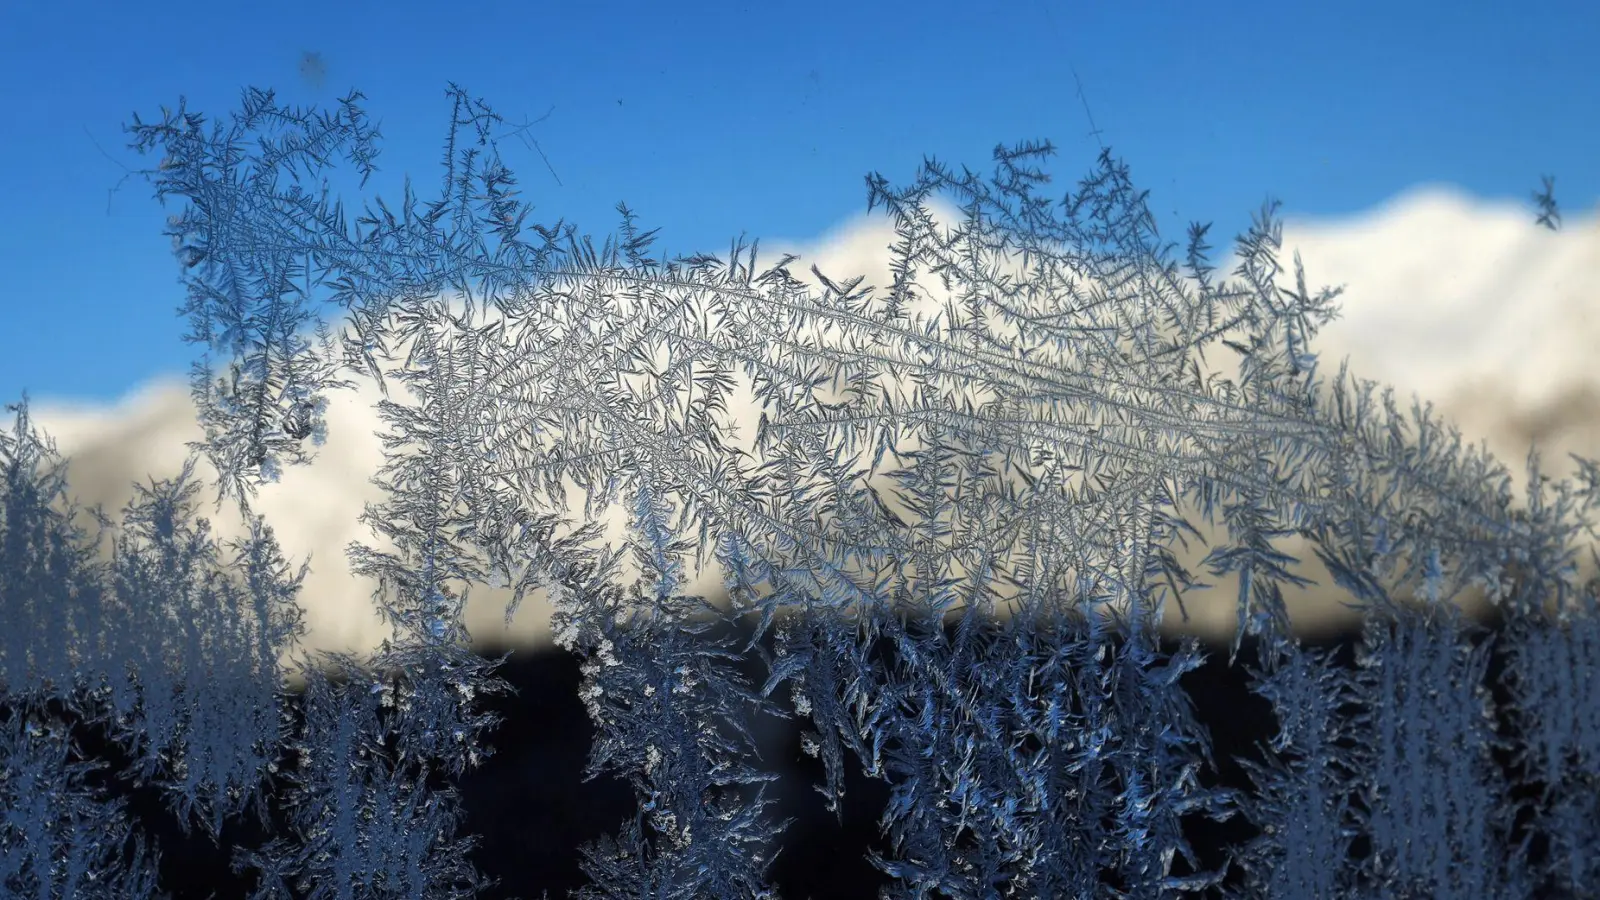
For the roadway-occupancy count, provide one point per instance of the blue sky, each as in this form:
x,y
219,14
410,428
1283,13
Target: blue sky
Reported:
x,y
712,119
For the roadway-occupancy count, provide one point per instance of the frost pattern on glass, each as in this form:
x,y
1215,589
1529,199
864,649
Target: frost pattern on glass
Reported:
x,y
1037,741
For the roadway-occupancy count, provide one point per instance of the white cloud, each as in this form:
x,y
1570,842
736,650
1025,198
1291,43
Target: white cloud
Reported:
x,y
1466,302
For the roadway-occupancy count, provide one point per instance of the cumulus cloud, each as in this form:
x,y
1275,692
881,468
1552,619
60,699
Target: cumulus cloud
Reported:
x,y
1465,302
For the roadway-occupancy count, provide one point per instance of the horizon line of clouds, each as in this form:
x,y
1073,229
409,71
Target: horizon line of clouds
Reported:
x,y
1466,302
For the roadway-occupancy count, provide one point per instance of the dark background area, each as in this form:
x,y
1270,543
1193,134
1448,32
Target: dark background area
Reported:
x,y
532,808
